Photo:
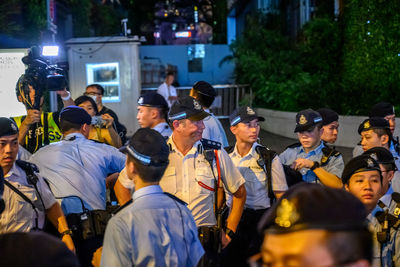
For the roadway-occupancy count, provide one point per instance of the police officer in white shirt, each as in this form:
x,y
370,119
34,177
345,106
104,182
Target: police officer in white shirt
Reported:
x,y
27,197
265,181
167,90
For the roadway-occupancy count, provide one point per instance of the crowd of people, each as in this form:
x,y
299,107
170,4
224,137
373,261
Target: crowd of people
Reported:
x,y
187,198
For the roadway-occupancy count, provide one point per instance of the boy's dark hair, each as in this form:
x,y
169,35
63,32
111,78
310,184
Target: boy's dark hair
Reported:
x,y
66,126
149,174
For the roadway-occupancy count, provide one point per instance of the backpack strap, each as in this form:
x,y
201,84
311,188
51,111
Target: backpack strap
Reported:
x,y
265,162
328,152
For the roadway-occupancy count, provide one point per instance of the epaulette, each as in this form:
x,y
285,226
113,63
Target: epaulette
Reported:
x,y
330,151
175,198
210,144
298,144
27,166
229,149
122,207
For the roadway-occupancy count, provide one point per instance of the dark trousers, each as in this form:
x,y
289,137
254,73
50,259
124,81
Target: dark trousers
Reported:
x,y
210,238
246,242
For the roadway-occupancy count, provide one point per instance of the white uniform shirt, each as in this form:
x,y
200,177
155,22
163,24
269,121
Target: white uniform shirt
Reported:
x,y
163,129
167,91
19,215
256,182
185,174
213,130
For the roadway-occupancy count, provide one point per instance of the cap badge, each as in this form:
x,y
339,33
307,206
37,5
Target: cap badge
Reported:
x,y
286,214
370,163
250,111
302,120
14,127
373,155
367,125
140,101
196,105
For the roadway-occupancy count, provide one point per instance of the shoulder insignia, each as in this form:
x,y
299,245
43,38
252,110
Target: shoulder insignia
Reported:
x,y
298,144
27,166
175,198
229,149
122,207
330,151
210,144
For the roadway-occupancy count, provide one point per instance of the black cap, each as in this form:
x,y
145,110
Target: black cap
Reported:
x,y
187,108
374,123
7,127
381,155
152,99
148,147
243,114
306,119
76,115
359,164
381,109
328,115
312,206
205,88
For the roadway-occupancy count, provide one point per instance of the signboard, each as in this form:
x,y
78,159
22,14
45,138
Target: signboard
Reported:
x,y
11,68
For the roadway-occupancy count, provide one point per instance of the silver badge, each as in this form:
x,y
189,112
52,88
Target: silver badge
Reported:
x,y
250,111
14,127
140,101
373,155
196,104
370,163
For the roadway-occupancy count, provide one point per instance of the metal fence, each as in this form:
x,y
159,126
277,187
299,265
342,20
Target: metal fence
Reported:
x,y
229,97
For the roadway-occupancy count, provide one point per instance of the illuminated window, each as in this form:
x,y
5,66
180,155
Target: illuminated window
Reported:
x,y
107,75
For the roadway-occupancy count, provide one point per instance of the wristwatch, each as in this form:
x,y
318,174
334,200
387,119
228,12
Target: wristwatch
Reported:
x,y
315,165
230,233
66,232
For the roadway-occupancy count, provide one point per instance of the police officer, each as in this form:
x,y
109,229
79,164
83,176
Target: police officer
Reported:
x,y
152,113
190,177
204,93
330,124
314,225
37,128
362,177
27,197
375,132
152,213
78,167
312,158
386,111
265,181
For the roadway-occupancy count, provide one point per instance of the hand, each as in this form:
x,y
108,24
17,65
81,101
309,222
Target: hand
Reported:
x,y
108,120
67,240
96,259
32,117
301,163
225,239
62,93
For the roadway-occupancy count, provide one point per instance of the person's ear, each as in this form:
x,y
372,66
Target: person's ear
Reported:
x,y
346,187
384,139
234,129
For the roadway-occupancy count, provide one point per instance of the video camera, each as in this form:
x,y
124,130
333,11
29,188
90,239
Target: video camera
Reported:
x,y
41,76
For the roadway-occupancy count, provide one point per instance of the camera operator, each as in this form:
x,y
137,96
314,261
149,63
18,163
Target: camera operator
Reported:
x,y
103,129
96,92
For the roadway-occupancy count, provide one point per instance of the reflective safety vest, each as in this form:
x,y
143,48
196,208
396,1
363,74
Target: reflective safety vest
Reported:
x,y
40,134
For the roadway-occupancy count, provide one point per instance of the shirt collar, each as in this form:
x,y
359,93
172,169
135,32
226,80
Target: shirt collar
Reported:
x,y
12,171
77,135
251,152
315,151
386,198
173,147
147,190
161,126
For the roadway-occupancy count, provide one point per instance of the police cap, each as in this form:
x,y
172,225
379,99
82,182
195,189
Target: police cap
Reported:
x,y
152,99
76,115
205,88
381,155
374,123
243,114
187,108
381,109
7,127
148,147
358,164
306,119
328,115
312,206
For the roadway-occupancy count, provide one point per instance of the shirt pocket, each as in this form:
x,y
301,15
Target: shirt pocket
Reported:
x,y
255,181
25,210
168,181
205,180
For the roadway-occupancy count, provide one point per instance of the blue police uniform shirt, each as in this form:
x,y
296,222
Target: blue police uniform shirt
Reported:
x,y
335,165
76,166
213,130
154,230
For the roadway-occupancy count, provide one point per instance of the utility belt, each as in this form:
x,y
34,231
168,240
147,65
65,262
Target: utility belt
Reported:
x,y
89,223
210,237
